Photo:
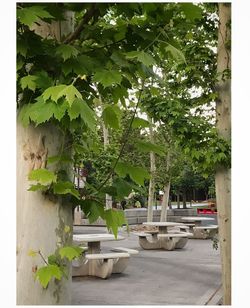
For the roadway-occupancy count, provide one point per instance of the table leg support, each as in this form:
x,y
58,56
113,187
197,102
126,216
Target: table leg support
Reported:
x,y
120,265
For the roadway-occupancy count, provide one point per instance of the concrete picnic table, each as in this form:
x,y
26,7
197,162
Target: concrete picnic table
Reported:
x,y
163,239
96,263
199,231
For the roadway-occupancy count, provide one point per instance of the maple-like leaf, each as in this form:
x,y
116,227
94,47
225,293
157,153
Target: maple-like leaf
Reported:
x,y
53,92
107,77
28,82
66,51
29,15
71,93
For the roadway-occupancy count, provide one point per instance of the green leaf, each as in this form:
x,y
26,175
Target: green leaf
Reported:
x,y
66,51
114,219
176,53
60,110
191,11
150,147
123,188
139,122
121,169
63,188
92,209
70,252
110,117
29,15
41,112
32,253
138,174
80,107
53,92
43,81
46,273
28,82
42,176
71,94
107,77
23,115
59,158
141,56
39,187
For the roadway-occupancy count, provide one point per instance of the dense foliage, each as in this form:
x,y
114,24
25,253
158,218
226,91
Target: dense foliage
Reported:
x,y
120,59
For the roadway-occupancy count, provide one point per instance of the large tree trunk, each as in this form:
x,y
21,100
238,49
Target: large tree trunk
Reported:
x,y
223,174
40,221
151,190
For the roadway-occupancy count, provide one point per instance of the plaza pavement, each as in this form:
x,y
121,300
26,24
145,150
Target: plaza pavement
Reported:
x,y
188,276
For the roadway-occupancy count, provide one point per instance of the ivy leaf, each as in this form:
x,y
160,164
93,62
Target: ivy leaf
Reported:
x,y
191,11
114,219
28,82
110,117
71,94
70,252
66,51
107,77
139,122
63,188
29,15
52,92
42,176
46,273
176,53
149,147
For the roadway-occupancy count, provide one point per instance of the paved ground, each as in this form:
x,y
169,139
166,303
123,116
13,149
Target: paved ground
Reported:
x,y
189,276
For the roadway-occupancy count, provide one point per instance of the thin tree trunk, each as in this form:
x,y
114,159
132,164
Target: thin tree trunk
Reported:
x,y
184,200
165,199
151,190
178,200
223,174
105,144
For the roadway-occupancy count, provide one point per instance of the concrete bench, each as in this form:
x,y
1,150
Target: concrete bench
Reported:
x,y
106,256
205,232
180,239
128,250
104,264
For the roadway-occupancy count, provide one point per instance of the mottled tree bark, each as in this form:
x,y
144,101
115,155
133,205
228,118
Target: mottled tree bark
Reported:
x,y
223,174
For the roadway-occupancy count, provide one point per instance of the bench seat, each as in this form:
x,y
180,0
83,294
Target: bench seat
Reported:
x,y
128,250
104,256
210,227
169,235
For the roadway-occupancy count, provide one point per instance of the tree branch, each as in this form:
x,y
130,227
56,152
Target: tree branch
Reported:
x,y
86,18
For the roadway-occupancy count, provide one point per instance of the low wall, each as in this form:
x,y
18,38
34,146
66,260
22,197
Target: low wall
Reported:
x,y
138,216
